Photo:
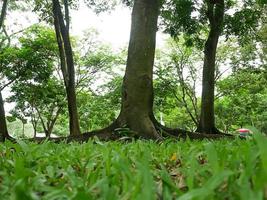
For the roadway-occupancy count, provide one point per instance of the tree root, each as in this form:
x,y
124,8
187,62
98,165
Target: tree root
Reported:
x,y
105,134
8,138
109,134
183,134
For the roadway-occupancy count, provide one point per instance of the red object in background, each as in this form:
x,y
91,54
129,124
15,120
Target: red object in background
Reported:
x,y
244,133
243,130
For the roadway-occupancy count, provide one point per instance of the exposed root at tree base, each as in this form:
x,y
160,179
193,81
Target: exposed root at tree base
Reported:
x,y
109,134
114,137
213,130
181,133
9,138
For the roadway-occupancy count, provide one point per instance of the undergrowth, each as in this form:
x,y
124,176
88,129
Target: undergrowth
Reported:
x,y
139,169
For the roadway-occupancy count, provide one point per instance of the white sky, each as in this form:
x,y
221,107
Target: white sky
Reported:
x,y
113,28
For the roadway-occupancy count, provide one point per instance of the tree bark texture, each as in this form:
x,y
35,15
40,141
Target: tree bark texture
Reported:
x,y
3,12
3,124
215,14
67,63
137,92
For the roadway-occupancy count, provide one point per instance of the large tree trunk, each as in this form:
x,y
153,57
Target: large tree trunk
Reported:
x,y
137,94
207,117
67,63
3,125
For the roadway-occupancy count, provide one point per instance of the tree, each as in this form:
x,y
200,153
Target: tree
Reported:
x,y
97,110
28,63
137,88
94,61
195,19
7,74
67,63
215,14
40,101
3,125
3,12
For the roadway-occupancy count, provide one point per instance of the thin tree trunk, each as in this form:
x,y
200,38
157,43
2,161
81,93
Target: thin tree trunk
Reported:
x,y
34,131
3,125
137,95
23,129
48,128
207,116
34,125
65,49
52,122
3,13
43,123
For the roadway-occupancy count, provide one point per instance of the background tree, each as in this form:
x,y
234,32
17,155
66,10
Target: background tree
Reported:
x,y
41,102
27,64
3,125
196,20
215,14
62,24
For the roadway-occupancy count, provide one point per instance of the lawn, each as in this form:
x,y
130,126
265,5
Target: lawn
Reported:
x,y
139,169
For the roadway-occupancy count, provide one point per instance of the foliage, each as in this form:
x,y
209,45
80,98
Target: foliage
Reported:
x,y
25,61
44,9
95,62
190,18
15,127
30,64
242,102
176,79
39,103
98,109
101,5
171,169
223,169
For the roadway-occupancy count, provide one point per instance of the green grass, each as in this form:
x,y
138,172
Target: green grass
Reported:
x,y
135,170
